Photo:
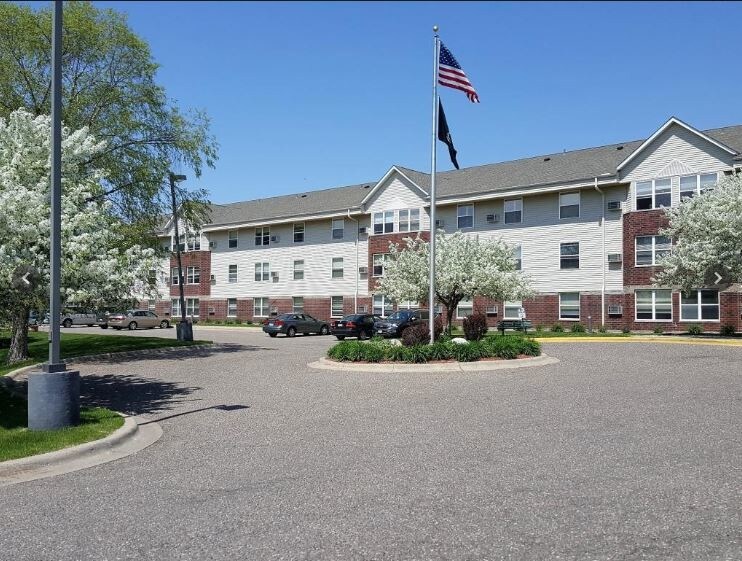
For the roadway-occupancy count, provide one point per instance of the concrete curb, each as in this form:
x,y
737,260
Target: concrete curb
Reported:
x,y
129,439
399,368
643,339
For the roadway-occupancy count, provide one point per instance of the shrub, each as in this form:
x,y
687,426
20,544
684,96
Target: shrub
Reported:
x,y
695,329
626,330
475,327
577,328
557,328
602,329
539,328
727,330
468,352
419,334
659,330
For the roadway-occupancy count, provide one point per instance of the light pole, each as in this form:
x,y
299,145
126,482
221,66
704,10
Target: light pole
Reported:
x,y
185,329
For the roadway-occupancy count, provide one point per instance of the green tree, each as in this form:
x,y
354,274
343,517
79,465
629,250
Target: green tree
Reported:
x,y
109,87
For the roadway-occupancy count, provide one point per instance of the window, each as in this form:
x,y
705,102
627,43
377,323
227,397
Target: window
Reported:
x,y
378,223
650,249
517,253
700,305
513,211
569,305
379,260
569,205
512,310
299,269
297,303
231,307
299,232
337,267
383,305
464,309
175,307
569,255
151,305
408,305
182,245
336,307
409,220
414,220
262,236
233,273
192,307
233,238
654,305
404,220
388,221
338,228
260,307
262,271
653,194
465,216
194,242
194,275
692,185
175,276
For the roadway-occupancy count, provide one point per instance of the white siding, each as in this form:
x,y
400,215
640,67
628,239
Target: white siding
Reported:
x,y
397,194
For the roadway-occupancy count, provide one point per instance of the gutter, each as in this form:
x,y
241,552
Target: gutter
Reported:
x,y
604,258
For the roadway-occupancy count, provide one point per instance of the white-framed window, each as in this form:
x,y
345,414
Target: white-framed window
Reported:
x,y
653,305
699,305
194,275
175,307
260,307
409,220
298,232
336,306
408,305
297,304
464,216
151,305
194,242
232,273
388,221
337,267
656,193
378,222
518,257
569,255
513,210
192,306
692,185
263,236
299,269
511,310
233,239
175,277
569,205
338,228
379,260
650,249
262,271
464,309
383,305
231,307
569,305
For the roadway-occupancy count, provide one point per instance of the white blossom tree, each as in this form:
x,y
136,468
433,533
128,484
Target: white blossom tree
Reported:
x,y
96,267
465,267
707,231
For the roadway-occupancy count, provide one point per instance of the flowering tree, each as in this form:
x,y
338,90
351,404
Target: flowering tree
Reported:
x,y
465,267
96,265
707,230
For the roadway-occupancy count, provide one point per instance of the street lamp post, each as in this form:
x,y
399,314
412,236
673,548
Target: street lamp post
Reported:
x,y
185,329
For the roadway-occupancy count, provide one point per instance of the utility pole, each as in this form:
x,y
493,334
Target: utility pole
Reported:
x,y
185,329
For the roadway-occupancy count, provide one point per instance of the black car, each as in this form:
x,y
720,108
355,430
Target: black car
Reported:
x,y
291,324
354,325
396,323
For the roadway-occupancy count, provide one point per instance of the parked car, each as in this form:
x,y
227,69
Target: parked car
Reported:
x,y
396,323
291,324
69,318
354,325
134,319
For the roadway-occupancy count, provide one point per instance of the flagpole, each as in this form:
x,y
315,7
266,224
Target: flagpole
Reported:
x,y
433,140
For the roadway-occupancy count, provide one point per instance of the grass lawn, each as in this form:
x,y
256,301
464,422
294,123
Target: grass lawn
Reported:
x,y
16,441
546,334
79,345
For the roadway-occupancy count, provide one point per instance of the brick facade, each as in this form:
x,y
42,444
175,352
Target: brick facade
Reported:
x,y
201,259
380,244
640,223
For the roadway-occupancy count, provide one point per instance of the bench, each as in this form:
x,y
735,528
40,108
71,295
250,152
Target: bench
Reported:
x,y
520,325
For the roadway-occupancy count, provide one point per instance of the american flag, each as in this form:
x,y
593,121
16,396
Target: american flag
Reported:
x,y
451,75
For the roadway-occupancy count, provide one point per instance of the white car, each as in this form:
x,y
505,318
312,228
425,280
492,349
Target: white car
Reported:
x,y
68,319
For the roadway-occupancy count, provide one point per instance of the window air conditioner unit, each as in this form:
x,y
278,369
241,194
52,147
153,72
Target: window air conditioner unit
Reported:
x,y
362,308
614,205
212,278
274,276
362,270
439,223
615,310
614,258
275,239
212,245
493,218
211,309
362,230
491,310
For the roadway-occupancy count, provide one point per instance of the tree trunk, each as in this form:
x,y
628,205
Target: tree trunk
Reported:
x,y
449,319
19,336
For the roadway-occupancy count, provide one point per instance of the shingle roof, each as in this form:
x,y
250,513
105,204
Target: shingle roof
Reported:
x,y
527,172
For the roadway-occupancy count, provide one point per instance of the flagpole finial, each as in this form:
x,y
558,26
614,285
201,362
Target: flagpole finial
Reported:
x,y
435,29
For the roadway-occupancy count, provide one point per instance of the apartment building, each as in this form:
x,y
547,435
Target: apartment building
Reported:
x,y
585,226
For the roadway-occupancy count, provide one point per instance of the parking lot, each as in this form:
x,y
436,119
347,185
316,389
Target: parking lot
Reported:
x,y
620,451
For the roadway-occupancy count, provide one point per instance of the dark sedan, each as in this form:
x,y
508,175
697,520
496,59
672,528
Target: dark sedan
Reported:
x,y
291,324
396,323
354,325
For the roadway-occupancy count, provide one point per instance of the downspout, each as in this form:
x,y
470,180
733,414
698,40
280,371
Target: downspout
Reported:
x,y
355,299
602,221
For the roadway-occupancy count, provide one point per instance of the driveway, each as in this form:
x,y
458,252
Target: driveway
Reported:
x,y
620,451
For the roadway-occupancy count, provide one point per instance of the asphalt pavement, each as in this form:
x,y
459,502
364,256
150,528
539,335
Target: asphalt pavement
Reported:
x,y
620,451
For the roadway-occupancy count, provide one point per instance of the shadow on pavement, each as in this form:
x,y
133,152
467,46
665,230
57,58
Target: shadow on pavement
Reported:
x,y
213,407
173,353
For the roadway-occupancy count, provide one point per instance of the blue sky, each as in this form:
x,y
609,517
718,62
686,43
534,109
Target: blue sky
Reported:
x,y
311,95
